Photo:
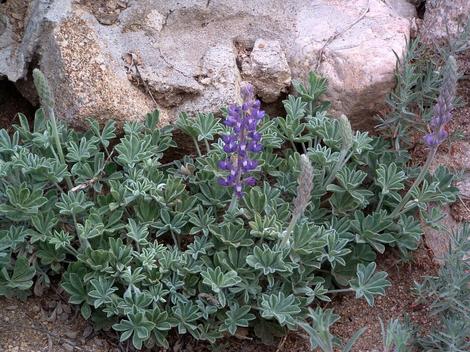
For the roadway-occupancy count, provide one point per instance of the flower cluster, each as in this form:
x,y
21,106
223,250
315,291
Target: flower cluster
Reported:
x,y
244,139
443,108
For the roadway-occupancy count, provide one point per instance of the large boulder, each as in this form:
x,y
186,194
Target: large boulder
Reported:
x,y
444,19
119,59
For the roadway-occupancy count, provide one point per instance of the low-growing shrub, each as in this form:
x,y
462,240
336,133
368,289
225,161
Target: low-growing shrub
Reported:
x,y
249,233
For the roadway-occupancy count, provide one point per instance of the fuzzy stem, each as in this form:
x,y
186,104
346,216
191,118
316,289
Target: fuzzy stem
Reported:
x,y
381,199
293,145
233,203
416,183
341,290
50,114
175,239
289,229
198,150
208,147
342,160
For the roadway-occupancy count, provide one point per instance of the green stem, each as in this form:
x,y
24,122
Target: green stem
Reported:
x,y
208,147
341,290
293,145
233,203
303,148
289,229
50,114
416,183
381,199
83,241
198,150
342,160
72,250
177,242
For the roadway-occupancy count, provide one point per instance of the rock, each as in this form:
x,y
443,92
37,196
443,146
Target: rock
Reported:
x,y
443,18
438,240
88,82
352,44
183,54
267,69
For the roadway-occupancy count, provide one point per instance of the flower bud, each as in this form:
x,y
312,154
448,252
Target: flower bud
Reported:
x,y
304,187
43,88
346,132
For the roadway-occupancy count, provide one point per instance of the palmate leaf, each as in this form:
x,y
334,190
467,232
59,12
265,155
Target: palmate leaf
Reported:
x,y
137,232
206,126
389,178
107,134
162,324
102,290
231,235
283,309
369,283
22,202
372,229
137,326
73,203
21,278
268,260
133,150
201,219
200,246
334,251
237,316
186,315
218,280
83,151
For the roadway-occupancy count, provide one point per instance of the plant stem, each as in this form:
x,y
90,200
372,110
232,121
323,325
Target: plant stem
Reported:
x,y
177,242
233,203
208,147
341,290
342,160
416,183
198,150
51,115
293,145
289,229
303,148
381,199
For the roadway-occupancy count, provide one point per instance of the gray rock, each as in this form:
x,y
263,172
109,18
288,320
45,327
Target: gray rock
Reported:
x,y
443,18
184,53
267,69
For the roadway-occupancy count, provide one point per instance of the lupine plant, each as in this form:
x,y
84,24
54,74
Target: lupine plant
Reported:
x,y
197,246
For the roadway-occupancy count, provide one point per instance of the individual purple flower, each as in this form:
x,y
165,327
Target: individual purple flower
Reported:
x,y
242,142
444,106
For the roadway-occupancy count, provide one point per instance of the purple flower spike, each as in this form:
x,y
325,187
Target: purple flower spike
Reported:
x,y
244,140
444,106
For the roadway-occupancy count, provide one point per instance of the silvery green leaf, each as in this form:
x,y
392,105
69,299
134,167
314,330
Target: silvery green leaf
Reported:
x,y
372,229
60,239
137,326
389,178
335,251
280,307
73,203
137,232
103,289
369,283
207,126
218,280
237,316
231,235
267,260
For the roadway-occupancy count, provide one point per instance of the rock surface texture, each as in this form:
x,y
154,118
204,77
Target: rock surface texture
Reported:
x,y
443,18
122,58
